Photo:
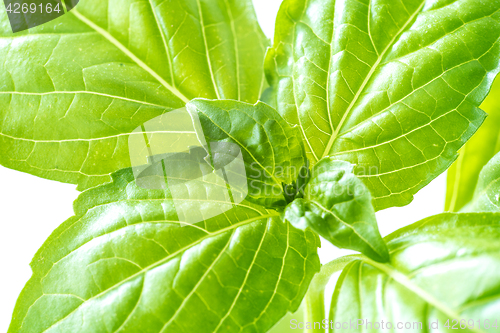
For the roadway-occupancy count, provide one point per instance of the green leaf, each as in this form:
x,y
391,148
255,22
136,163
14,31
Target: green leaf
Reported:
x,y
446,267
269,97
315,297
390,86
283,326
463,175
72,89
272,150
126,263
338,206
487,194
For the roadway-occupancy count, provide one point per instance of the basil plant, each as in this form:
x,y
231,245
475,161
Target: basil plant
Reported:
x,y
353,108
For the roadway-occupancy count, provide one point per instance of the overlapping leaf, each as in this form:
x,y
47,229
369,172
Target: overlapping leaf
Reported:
x,y
338,206
463,175
390,86
125,263
72,89
487,194
272,150
442,268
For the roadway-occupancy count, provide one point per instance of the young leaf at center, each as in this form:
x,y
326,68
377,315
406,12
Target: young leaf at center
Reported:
x,y
338,206
272,149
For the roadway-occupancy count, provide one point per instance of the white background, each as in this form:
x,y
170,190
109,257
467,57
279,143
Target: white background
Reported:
x,y
31,208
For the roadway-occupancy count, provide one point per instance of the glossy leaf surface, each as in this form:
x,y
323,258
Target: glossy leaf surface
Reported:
x,y
73,89
272,150
391,86
338,206
443,268
463,175
487,194
125,263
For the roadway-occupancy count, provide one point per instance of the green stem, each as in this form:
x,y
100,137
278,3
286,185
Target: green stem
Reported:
x,y
315,311
315,297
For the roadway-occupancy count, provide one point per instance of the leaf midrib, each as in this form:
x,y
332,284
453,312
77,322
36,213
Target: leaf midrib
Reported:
x,y
207,52
200,281
485,191
77,92
91,139
158,263
367,79
236,50
328,211
403,280
131,55
245,148
167,51
237,297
